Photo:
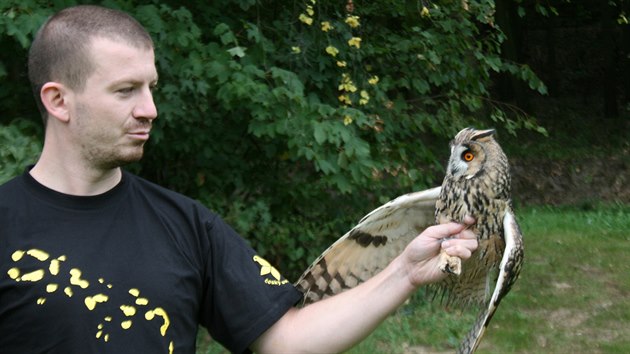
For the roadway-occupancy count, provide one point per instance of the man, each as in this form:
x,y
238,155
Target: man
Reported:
x,y
96,260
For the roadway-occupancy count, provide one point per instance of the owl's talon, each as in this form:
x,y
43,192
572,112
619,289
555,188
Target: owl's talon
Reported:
x,y
449,264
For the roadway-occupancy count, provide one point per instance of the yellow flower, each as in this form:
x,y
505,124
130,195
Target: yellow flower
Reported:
x,y
345,99
353,21
341,63
296,50
425,12
347,120
355,42
365,97
310,11
326,26
373,80
347,84
306,19
332,50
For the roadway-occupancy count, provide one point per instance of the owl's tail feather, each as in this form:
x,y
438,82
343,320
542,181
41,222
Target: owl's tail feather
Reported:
x,y
470,343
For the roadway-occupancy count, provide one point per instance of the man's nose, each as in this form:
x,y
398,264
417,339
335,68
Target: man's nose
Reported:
x,y
145,107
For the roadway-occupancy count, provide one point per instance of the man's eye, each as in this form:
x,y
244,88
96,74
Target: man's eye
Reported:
x,y
125,90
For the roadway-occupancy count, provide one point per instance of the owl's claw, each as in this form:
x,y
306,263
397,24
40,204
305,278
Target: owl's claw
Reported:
x,y
450,264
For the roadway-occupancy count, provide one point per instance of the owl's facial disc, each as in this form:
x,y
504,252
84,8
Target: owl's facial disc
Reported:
x,y
457,164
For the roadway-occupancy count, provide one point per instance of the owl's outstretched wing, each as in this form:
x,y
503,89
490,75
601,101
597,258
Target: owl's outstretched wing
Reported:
x,y
509,270
370,246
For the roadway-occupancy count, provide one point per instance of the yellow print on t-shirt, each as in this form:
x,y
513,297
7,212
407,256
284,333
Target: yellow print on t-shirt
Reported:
x,y
267,269
67,282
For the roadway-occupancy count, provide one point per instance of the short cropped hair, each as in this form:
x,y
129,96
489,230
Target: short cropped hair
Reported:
x,y
61,49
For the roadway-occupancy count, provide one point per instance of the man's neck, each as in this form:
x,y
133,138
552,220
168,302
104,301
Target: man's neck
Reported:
x,y
75,180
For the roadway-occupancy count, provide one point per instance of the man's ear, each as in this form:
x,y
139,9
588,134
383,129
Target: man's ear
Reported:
x,y
55,98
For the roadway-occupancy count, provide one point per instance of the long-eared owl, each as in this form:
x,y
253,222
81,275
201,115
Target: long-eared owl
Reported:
x,y
477,183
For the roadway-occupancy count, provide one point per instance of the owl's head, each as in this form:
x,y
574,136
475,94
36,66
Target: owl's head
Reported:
x,y
472,152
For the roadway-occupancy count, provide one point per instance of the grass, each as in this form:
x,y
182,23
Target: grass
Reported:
x,y
573,295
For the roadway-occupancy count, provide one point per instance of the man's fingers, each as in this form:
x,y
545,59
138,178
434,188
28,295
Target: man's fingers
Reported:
x,y
445,230
453,229
469,220
466,235
458,251
462,247
470,242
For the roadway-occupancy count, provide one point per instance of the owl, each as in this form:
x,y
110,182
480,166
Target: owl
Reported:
x,y
477,183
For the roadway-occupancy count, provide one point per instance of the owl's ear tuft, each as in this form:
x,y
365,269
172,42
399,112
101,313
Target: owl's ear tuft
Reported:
x,y
480,134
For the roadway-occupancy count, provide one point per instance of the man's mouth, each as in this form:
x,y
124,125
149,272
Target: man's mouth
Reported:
x,y
140,134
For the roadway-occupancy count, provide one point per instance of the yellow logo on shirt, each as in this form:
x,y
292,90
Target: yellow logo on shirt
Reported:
x,y
60,277
267,269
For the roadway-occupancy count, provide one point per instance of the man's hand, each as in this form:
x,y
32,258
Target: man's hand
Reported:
x,y
422,255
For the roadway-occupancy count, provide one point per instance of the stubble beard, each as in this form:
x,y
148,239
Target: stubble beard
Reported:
x,y
119,154
121,160
107,151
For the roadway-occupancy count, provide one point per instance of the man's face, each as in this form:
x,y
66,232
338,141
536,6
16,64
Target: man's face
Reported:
x,y
111,118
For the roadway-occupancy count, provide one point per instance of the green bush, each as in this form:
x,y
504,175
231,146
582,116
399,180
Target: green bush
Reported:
x,y
294,121
19,147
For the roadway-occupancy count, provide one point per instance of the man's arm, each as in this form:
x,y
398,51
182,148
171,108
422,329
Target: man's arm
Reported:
x,y
341,321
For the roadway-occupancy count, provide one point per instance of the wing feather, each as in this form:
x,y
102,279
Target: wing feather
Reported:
x,y
509,269
370,246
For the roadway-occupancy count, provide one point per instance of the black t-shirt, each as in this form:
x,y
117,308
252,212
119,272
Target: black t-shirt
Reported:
x,y
133,270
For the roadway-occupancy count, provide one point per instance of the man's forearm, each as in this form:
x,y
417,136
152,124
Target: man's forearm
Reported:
x,y
337,323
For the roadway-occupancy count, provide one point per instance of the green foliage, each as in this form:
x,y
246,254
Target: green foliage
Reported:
x,y
19,147
19,21
289,143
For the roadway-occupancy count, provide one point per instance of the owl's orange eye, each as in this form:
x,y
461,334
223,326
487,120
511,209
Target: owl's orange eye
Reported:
x,y
468,156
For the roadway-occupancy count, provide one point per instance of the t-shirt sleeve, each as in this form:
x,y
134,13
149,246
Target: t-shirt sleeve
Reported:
x,y
243,294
